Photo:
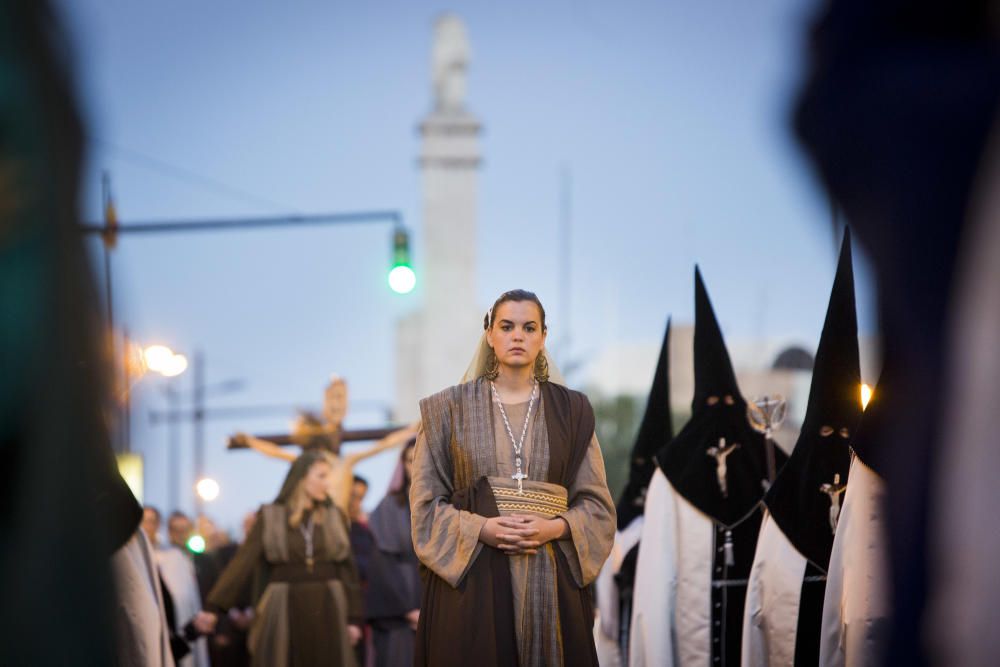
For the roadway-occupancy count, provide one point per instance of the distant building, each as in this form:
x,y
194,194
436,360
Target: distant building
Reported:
x,y
435,342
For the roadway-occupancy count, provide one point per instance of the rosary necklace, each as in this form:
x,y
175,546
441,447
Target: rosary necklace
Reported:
x,y
518,474
306,529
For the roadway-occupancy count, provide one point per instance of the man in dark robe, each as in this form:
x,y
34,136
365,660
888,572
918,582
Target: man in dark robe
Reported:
x,y
702,517
392,601
784,609
896,112
616,581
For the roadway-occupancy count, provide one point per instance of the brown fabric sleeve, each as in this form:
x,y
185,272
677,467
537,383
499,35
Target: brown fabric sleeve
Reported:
x,y
591,518
445,539
228,590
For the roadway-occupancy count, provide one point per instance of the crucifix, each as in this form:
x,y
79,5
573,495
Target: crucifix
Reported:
x,y
520,477
833,491
326,432
720,454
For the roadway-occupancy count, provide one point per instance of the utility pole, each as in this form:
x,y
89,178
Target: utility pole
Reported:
x,y
173,450
198,395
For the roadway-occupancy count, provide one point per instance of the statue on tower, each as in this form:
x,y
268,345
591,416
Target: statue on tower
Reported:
x,y
449,61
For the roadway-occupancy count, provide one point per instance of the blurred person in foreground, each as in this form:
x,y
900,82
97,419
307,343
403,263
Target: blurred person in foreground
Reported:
x,y
899,113
76,577
309,611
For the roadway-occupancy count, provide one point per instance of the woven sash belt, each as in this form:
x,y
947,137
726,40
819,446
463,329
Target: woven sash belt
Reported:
x,y
539,498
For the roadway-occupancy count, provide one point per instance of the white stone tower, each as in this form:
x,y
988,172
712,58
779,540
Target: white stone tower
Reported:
x,y
435,343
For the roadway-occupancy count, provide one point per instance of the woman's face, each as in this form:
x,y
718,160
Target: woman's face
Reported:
x,y
516,335
317,481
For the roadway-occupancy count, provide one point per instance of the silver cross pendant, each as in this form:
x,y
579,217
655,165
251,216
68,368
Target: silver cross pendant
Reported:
x,y
520,477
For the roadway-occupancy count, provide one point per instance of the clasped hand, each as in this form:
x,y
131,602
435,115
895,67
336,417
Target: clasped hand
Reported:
x,y
521,533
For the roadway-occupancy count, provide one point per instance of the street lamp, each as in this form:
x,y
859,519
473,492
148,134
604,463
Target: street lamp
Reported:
x,y
207,489
161,359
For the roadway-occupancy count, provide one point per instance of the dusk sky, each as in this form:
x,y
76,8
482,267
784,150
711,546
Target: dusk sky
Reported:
x,y
672,117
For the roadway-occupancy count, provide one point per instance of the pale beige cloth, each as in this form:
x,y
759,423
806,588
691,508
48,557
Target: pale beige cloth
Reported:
x,y
447,540
142,639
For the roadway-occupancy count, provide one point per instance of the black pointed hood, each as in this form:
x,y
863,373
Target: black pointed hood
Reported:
x,y
718,412
800,499
655,431
713,371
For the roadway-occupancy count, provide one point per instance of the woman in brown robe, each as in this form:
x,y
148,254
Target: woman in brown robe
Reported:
x,y
510,510
310,609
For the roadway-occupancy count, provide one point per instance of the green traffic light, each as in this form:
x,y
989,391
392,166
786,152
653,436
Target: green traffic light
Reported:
x,y
196,544
402,279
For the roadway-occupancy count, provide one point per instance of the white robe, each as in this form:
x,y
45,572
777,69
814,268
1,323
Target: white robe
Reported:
x,y
608,600
177,570
671,613
856,605
142,639
771,613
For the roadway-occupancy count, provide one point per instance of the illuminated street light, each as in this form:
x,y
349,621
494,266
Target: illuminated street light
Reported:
x,y
866,395
157,357
207,489
161,359
175,366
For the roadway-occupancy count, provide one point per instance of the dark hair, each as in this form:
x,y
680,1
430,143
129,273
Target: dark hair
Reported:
x,y
155,511
402,495
362,480
514,295
177,514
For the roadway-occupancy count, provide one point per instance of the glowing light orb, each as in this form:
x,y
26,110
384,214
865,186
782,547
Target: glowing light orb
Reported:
x,y
207,489
402,279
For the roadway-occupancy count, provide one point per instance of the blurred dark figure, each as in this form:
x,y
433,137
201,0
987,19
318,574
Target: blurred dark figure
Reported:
x,y
228,646
896,113
392,601
180,528
184,631
64,508
362,545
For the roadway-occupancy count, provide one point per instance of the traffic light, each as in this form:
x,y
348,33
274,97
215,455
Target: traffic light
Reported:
x,y
402,279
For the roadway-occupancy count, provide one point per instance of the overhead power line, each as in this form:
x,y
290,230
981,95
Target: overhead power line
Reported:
x,y
190,177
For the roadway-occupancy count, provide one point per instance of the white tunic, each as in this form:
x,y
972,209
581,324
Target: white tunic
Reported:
x,y
178,574
608,600
671,613
856,606
140,619
771,614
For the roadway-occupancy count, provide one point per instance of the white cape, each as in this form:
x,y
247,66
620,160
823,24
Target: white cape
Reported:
x,y
771,613
141,635
856,605
608,600
671,613
178,574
